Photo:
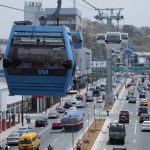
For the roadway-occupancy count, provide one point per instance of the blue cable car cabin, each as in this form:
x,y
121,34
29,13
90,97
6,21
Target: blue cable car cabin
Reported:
x,y
77,39
38,60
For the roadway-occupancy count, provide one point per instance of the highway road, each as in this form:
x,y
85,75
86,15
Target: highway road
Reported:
x,y
135,139
60,138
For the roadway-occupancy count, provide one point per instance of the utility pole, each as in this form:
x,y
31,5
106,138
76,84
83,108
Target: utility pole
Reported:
x,y
114,15
74,4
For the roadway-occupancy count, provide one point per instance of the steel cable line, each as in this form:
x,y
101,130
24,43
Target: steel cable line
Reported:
x,y
6,6
82,5
97,9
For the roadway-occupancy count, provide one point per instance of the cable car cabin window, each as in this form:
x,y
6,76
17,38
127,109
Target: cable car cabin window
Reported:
x,y
76,39
38,56
113,39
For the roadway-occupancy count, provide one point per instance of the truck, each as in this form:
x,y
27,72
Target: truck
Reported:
x,y
117,133
72,119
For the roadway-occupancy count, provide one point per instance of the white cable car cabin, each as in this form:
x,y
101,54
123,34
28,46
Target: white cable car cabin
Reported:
x,y
124,38
113,40
101,38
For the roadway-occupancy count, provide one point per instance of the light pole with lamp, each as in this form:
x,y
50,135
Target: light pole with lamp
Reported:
x,y
87,72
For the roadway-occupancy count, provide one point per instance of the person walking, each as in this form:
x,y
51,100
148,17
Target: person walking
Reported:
x,y
117,95
78,145
7,147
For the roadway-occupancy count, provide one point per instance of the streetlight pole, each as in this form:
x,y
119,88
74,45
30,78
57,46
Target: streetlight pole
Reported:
x,y
22,117
87,72
99,112
94,117
88,122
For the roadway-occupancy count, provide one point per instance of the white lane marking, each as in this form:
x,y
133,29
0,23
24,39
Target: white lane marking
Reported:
x,y
55,140
44,130
104,149
134,141
135,129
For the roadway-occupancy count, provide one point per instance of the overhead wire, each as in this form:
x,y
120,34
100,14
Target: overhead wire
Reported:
x,y
10,7
82,5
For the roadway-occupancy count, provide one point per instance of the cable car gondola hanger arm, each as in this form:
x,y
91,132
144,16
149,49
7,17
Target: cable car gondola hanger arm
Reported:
x,y
55,16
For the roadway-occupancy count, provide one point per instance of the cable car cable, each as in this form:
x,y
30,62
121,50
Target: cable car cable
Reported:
x,y
82,5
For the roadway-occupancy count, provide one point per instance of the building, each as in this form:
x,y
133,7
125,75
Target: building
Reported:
x,y
142,57
70,17
99,67
83,58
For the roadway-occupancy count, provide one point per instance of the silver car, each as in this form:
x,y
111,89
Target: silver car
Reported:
x,y
12,139
25,129
145,126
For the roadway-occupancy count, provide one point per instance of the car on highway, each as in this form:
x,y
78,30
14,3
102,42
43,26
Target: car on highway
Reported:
x,y
129,95
143,102
25,129
57,125
89,96
67,105
73,108
74,102
142,109
91,88
60,109
145,126
13,138
29,141
99,99
142,94
79,97
119,148
124,116
96,92
144,117
80,104
53,115
132,99
133,82
41,121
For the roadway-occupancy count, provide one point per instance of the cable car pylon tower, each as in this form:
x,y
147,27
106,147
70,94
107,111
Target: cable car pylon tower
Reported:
x,y
115,14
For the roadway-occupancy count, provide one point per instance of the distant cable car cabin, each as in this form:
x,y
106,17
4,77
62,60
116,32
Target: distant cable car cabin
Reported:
x,y
38,60
124,38
77,39
101,38
113,40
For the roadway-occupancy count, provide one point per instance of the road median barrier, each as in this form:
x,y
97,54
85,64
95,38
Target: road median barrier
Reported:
x,y
89,137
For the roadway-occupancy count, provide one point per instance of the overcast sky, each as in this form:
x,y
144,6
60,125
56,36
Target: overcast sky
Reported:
x,y
136,12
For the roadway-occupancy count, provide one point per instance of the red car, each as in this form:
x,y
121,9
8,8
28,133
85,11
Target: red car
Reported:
x,y
143,117
79,97
60,109
57,124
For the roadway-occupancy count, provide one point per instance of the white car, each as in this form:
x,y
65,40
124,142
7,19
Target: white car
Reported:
x,y
80,104
132,99
99,99
145,126
73,108
25,129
